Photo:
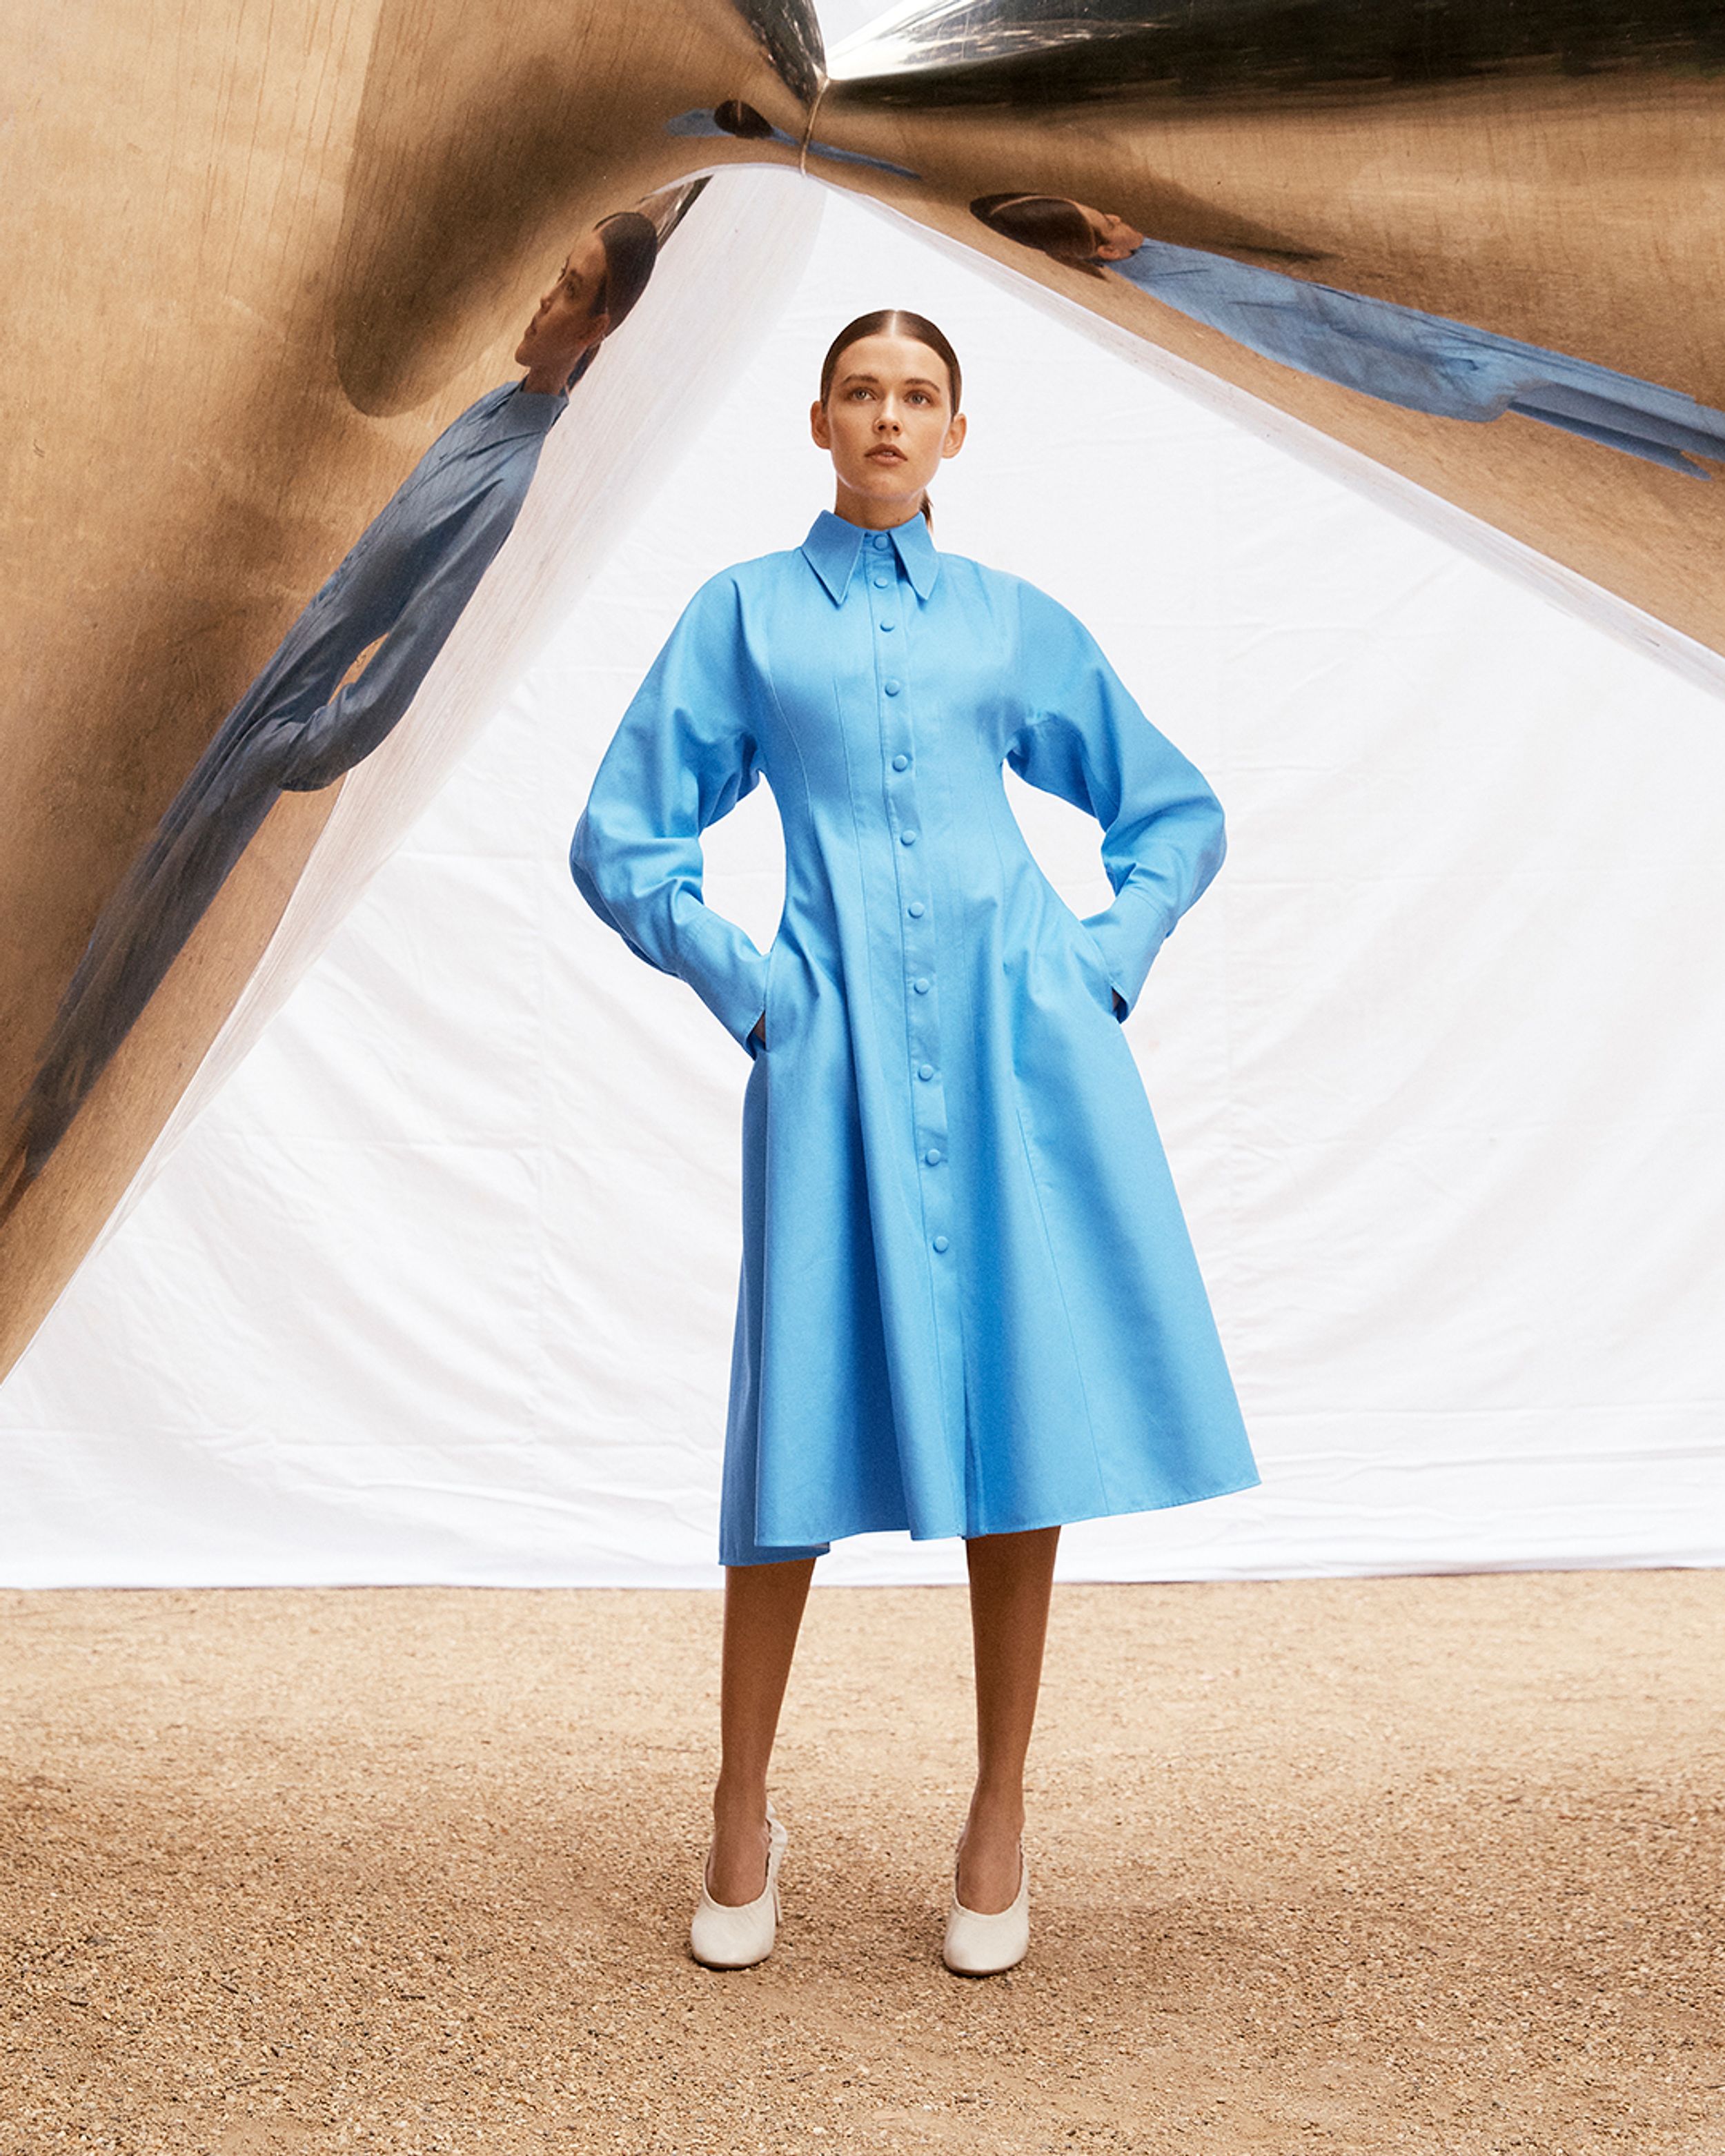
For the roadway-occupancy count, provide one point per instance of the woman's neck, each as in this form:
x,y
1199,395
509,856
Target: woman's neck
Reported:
x,y
875,515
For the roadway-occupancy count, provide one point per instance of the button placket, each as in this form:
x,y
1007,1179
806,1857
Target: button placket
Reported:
x,y
893,703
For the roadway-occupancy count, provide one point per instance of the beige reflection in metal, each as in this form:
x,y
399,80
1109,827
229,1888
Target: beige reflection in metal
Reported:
x,y
260,259
1552,174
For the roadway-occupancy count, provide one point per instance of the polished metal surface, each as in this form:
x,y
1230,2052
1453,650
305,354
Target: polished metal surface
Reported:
x,y
1550,173
452,201
1005,51
260,259
1481,245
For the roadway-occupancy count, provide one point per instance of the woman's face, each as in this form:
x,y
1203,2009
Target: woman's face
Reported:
x,y
1114,237
564,325
888,421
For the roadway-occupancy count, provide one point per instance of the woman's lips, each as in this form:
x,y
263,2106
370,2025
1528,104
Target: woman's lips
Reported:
x,y
886,456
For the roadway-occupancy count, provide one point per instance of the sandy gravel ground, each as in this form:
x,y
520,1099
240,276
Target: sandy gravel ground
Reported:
x,y
1424,1864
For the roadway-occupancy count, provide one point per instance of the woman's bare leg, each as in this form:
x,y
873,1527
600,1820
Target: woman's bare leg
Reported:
x,y
763,1608
1011,1577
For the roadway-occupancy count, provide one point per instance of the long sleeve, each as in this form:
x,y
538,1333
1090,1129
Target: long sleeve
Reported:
x,y
418,565
430,599
1085,739
684,755
1425,362
406,579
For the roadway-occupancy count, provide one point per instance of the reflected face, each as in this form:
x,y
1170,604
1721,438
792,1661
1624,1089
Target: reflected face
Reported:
x,y
565,324
888,421
1114,237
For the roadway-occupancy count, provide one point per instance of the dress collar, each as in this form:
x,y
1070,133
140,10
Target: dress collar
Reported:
x,y
539,409
833,548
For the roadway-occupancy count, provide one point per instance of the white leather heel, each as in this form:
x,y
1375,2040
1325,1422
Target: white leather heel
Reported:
x,y
983,1945
737,1934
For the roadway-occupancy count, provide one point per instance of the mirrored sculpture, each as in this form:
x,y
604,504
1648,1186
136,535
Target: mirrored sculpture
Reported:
x,y
263,269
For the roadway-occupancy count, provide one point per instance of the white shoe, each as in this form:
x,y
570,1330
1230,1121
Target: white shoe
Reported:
x,y
978,1945
737,1934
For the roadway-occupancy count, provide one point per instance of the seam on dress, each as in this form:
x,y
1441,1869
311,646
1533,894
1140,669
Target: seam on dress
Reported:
x,y
1090,781
957,1490
909,596
1025,1140
766,675
862,884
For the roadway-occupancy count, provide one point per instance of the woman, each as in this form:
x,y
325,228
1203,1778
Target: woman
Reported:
x,y
968,1303
406,580
1423,362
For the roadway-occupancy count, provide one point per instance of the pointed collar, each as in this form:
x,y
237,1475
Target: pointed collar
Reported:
x,y
541,408
833,548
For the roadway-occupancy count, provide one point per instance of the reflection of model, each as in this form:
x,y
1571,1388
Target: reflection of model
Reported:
x,y
1422,361
407,580
742,122
969,1306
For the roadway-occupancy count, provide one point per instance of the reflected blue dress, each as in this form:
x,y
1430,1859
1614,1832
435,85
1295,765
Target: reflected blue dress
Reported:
x,y
968,1305
1425,362
407,579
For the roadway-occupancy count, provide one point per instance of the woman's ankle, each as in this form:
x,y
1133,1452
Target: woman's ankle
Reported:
x,y
737,1801
997,1810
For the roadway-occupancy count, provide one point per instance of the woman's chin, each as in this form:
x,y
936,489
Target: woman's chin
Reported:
x,y
885,482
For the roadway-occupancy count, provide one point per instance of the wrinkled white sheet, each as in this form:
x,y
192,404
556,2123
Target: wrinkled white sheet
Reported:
x,y
440,1286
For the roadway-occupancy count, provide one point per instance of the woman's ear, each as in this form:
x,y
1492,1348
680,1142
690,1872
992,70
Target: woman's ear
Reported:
x,y
818,426
955,435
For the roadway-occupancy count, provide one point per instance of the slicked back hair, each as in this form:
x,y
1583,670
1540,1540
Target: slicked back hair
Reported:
x,y
894,321
631,245
1053,225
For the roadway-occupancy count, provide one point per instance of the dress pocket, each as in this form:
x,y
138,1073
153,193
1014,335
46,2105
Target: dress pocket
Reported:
x,y
1096,966
768,1032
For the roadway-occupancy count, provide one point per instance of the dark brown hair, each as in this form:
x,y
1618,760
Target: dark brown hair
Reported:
x,y
894,321
1050,223
631,245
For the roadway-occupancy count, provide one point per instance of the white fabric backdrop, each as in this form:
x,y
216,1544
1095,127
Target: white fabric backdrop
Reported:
x,y
440,1287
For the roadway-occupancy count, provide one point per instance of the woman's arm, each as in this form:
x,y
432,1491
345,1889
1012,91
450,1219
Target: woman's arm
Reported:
x,y
424,581
683,756
1085,739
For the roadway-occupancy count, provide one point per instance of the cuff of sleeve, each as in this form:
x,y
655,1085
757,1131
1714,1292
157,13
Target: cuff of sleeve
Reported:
x,y
1129,934
733,986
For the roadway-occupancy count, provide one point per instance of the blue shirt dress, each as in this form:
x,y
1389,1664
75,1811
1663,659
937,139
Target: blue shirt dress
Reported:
x,y
408,579
1425,362
969,1305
